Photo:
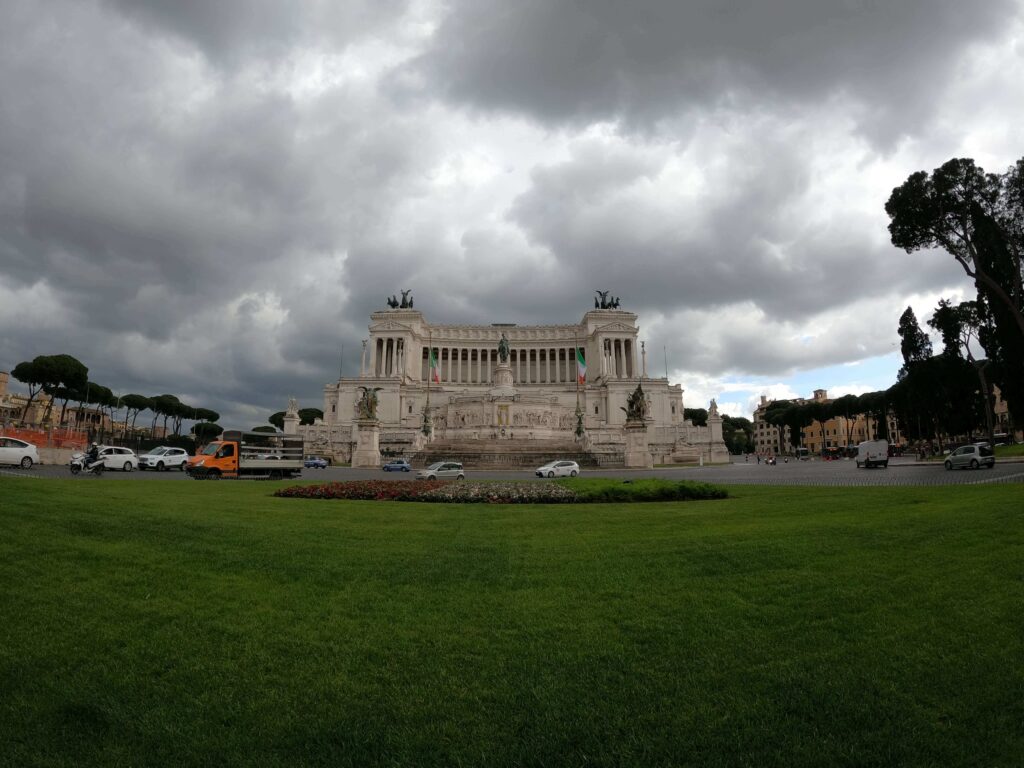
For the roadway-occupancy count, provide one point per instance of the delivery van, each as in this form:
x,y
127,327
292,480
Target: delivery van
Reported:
x,y
873,453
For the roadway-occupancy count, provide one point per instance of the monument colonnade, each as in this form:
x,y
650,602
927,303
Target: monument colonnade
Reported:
x,y
472,364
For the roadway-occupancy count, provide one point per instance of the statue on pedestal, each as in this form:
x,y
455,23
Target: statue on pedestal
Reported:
x,y
368,403
503,349
636,405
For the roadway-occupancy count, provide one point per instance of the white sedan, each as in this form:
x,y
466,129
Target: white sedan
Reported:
x,y
558,469
18,452
118,458
164,457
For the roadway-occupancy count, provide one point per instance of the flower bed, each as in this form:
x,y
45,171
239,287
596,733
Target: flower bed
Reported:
x,y
500,492
434,490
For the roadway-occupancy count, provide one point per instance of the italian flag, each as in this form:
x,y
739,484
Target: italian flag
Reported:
x,y
433,368
581,367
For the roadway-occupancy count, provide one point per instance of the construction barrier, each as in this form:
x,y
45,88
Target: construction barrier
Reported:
x,y
54,437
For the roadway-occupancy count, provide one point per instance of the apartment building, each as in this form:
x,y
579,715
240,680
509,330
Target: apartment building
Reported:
x,y
837,432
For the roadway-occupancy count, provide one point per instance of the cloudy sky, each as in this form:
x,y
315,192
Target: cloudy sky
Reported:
x,y
208,199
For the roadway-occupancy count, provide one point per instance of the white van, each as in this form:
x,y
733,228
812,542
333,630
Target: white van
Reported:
x,y
873,453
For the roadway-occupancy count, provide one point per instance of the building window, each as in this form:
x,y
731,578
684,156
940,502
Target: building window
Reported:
x,y
595,410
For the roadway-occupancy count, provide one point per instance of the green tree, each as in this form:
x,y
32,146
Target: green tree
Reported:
x,y
205,431
163,405
960,326
264,428
697,416
819,412
846,406
737,433
874,405
134,405
914,343
277,419
309,415
944,210
53,374
998,332
205,414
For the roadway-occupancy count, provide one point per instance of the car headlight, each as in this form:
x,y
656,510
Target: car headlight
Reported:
x,y
199,463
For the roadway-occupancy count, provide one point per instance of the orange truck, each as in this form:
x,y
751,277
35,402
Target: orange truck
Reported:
x,y
254,455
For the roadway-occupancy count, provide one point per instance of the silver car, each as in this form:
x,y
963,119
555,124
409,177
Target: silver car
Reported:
x,y
558,469
450,470
973,456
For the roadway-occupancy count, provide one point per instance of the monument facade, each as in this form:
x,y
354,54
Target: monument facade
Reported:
x,y
450,387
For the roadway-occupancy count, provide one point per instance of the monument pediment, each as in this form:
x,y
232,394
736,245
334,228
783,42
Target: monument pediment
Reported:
x,y
388,325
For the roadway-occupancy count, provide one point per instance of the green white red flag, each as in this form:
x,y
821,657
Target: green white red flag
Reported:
x,y
433,368
581,367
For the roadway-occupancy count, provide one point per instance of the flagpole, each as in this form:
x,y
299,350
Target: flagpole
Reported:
x,y
430,374
579,412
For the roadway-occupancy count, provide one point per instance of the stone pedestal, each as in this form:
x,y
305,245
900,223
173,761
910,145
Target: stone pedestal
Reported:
x,y
367,453
291,424
638,456
503,385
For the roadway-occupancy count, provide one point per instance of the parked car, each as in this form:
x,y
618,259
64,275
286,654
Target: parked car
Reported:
x,y
558,469
315,462
118,458
163,458
973,456
442,470
397,465
18,452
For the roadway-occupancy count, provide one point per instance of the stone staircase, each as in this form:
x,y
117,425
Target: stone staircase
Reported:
x,y
511,454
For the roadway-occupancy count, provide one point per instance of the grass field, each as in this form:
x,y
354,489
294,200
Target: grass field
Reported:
x,y
168,623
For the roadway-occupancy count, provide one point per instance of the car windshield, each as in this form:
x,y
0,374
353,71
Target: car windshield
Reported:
x,y
158,451
211,449
436,466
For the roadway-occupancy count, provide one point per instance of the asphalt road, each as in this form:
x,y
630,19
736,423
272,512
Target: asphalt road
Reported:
x,y
841,473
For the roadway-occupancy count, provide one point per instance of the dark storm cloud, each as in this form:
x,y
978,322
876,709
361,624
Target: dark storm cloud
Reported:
x,y
230,31
581,62
751,244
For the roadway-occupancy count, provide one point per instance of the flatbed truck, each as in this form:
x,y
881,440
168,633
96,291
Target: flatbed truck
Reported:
x,y
253,455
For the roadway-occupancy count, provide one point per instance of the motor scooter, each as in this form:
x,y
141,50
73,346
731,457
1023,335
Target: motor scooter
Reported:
x,y
80,462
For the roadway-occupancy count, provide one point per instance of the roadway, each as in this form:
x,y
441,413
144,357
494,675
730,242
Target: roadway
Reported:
x,y
904,471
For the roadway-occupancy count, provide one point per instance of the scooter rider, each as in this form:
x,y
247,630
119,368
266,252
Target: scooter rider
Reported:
x,y
92,456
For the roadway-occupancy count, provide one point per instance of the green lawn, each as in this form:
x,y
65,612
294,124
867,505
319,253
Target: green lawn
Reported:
x,y
174,623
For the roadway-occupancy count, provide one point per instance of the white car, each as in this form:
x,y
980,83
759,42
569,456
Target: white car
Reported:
x,y
163,458
18,452
558,469
118,458
441,470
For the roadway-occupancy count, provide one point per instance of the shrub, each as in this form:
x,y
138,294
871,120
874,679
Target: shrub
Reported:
x,y
609,491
